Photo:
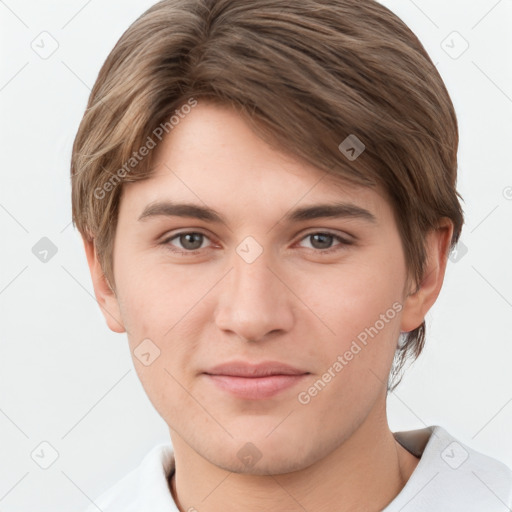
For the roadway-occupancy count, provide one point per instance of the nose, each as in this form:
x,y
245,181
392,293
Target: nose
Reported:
x,y
255,300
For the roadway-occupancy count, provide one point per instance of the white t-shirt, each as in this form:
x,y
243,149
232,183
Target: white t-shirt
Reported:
x,y
450,477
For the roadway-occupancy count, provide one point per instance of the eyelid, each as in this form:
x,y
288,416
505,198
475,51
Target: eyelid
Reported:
x,y
343,240
168,237
346,237
343,235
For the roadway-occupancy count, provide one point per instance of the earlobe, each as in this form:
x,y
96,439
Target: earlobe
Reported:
x,y
421,299
105,296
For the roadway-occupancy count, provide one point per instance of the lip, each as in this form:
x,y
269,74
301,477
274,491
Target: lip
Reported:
x,y
263,369
255,381
255,388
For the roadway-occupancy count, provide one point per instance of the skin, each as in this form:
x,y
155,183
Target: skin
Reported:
x,y
293,304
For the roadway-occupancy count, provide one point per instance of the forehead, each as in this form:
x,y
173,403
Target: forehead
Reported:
x,y
213,157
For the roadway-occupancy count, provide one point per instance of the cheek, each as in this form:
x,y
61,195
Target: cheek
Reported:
x,y
354,359
360,311
150,297
159,305
350,299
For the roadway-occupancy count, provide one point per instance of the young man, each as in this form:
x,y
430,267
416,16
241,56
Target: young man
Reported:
x,y
266,193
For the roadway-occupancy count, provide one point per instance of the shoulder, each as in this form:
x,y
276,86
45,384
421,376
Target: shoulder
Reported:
x,y
143,488
452,476
465,460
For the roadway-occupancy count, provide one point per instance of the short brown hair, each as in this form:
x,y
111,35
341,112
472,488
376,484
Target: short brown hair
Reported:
x,y
306,75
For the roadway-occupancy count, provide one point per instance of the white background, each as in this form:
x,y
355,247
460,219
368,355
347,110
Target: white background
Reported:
x,y
67,380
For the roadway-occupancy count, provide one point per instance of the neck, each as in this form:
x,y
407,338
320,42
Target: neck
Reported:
x,y
366,472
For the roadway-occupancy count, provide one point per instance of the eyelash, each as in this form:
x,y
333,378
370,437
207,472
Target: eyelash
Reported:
x,y
343,242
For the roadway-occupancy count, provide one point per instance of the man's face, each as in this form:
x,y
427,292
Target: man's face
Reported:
x,y
259,286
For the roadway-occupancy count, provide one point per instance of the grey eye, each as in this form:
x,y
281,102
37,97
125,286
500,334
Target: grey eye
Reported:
x,y
190,241
321,240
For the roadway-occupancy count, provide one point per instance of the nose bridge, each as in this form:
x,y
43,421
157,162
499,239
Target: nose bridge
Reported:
x,y
252,280
250,268
254,302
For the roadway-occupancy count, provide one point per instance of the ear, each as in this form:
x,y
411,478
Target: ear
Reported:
x,y
419,301
105,296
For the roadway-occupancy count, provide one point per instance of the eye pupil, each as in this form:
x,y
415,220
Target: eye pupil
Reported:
x,y
325,240
189,237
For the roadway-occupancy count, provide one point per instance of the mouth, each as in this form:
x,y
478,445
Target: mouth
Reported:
x,y
255,382
255,388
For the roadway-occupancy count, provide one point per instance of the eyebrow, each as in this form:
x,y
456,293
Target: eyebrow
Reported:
x,y
317,211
